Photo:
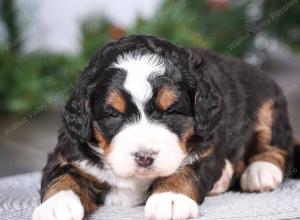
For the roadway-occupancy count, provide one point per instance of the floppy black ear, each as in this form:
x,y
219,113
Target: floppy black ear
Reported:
x,y
207,106
77,113
77,116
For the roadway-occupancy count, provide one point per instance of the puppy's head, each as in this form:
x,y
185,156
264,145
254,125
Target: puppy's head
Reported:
x,y
136,100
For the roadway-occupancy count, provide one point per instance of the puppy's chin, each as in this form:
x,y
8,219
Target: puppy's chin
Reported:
x,y
143,174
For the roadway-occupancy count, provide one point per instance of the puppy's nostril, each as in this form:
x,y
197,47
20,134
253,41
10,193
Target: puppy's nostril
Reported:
x,y
144,159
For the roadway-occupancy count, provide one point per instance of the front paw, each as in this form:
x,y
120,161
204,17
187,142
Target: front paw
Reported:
x,y
170,205
64,205
261,176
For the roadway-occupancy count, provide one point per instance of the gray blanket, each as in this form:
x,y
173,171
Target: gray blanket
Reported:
x,y
19,196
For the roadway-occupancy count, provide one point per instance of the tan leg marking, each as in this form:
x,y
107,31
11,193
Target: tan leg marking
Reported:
x,y
180,182
173,197
65,183
267,163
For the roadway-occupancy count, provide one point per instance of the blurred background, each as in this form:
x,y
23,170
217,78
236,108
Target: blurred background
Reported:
x,y
45,44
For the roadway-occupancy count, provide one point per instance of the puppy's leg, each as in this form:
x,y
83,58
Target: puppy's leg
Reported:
x,y
67,193
61,202
270,149
223,184
176,196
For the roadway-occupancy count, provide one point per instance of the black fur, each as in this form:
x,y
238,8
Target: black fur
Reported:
x,y
216,92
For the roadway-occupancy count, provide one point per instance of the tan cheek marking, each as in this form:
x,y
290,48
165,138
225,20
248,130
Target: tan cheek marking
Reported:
x,y
180,182
185,137
166,97
117,101
102,142
67,182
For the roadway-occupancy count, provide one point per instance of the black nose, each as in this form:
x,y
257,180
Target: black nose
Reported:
x,y
144,158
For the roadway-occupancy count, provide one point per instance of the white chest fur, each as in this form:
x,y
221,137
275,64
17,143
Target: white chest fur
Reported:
x,y
125,191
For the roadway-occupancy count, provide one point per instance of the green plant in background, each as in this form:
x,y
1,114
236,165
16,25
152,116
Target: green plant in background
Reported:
x,y
27,80
8,14
225,26
95,34
198,24
285,18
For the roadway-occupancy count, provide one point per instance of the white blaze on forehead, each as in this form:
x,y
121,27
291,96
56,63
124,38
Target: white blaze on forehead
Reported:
x,y
143,134
139,69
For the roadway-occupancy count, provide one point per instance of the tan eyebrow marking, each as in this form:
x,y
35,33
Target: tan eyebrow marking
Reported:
x,y
187,134
166,97
116,100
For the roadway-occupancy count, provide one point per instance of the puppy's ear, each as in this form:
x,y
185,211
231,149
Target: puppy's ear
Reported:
x,y
77,113
207,106
77,116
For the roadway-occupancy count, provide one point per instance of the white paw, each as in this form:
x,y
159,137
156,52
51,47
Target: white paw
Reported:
x,y
261,177
64,205
223,184
170,205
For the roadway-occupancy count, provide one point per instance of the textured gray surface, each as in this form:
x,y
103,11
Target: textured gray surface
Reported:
x,y
19,196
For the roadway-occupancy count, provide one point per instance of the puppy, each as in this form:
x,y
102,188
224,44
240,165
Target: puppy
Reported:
x,y
156,124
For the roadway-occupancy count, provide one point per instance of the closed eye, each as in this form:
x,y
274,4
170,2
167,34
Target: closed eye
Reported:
x,y
112,112
175,110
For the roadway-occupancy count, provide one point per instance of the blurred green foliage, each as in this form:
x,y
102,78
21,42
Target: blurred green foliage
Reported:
x,y
8,14
27,80
195,24
95,34
225,27
285,18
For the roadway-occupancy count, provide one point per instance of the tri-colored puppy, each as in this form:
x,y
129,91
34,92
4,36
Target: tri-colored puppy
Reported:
x,y
153,123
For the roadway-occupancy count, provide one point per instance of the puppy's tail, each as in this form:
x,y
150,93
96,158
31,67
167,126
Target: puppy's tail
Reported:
x,y
295,172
